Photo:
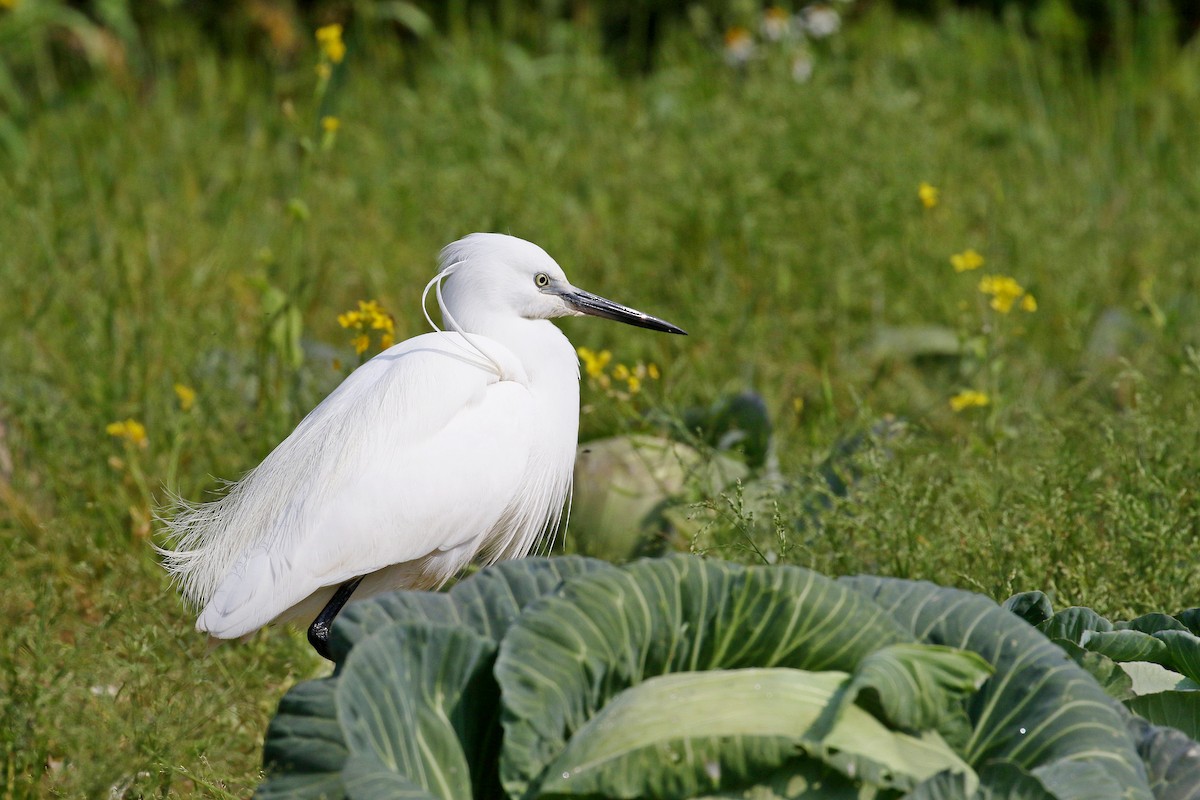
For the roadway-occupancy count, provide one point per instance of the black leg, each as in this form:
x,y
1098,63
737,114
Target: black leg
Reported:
x,y
318,632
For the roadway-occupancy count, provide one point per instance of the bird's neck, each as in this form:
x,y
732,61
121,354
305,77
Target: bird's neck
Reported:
x,y
552,376
543,350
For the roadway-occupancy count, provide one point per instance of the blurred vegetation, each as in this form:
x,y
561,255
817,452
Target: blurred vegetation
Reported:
x,y
52,43
192,205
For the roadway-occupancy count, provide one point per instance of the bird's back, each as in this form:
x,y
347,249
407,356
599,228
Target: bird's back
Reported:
x,y
425,454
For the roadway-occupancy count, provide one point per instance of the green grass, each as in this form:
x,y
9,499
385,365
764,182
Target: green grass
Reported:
x,y
777,222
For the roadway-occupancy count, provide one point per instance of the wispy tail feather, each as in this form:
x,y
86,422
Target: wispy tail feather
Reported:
x,y
197,551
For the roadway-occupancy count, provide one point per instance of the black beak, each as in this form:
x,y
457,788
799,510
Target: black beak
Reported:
x,y
596,306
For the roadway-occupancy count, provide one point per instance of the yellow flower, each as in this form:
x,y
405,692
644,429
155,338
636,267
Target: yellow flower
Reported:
x,y
593,362
969,399
369,316
928,194
380,320
652,371
1003,290
1028,303
330,124
593,366
186,395
130,430
621,372
329,38
634,383
966,261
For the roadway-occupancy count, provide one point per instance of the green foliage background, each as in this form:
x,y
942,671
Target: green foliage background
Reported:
x,y
163,224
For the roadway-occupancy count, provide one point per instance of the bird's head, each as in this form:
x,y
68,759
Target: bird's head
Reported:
x,y
491,274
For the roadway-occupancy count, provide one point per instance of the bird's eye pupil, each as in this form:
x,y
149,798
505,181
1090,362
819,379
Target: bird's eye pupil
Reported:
x,y
541,279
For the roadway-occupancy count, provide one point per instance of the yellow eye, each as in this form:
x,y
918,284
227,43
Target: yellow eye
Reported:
x,y
541,279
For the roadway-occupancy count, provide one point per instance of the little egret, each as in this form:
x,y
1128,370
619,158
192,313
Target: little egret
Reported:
x,y
450,446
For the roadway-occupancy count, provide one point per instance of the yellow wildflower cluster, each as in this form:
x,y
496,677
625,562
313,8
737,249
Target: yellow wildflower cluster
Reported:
x,y
329,38
130,430
966,261
1005,292
593,362
186,395
928,194
595,366
369,316
969,399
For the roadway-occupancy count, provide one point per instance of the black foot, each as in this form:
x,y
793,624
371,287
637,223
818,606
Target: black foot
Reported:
x,y
318,632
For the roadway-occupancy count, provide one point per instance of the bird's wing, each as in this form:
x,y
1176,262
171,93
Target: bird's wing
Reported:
x,y
420,450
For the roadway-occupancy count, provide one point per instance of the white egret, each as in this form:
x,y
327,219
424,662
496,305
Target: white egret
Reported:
x,y
448,447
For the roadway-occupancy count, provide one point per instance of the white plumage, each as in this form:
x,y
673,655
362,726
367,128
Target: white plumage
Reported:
x,y
444,448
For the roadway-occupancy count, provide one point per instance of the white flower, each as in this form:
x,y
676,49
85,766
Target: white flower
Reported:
x,y
802,67
776,24
739,46
820,21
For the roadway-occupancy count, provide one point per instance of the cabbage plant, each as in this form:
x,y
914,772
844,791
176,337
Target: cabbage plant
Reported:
x,y
689,678
1151,663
